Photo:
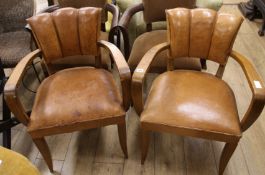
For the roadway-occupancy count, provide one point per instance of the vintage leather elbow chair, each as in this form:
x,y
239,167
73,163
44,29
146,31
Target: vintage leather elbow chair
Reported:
x,y
150,30
194,103
75,98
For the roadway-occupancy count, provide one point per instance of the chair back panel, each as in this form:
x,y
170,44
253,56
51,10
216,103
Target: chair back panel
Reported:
x,y
201,33
13,14
86,3
67,32
154,10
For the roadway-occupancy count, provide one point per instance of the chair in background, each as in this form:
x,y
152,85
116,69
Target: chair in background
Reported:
x,y
7,122
142,16
193,103
153,11
76,98
15,43
107,23
14,163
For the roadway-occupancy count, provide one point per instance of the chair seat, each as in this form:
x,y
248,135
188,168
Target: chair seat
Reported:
x,y
150,39
182,102
75,99
82,60
13,47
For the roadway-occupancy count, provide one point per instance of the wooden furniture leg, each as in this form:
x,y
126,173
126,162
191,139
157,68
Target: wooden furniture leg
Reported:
x,y
45,152
122,138
227,152
145,138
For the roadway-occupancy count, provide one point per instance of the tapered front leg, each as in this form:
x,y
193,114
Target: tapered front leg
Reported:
x,y
45,152
123,139
226,155
145,137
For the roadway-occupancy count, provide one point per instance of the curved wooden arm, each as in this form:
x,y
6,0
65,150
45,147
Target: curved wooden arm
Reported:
x,y
257,87
140,73
114,10
124,23
10,89
123,69
128,14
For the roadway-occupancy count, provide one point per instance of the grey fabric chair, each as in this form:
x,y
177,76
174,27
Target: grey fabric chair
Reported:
x,y
15,41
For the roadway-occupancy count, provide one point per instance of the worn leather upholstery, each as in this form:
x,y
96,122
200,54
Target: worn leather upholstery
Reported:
x,y
149,39
202,33
75,98
67,33
191,103
154,10
86,3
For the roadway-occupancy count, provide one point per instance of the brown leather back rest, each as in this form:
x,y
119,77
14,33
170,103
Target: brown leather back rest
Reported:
x,y
202,33
154,10
86,3
67,32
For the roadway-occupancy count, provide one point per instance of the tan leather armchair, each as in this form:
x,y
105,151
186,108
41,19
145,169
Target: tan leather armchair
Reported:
x,y
193,103
153,14
77,98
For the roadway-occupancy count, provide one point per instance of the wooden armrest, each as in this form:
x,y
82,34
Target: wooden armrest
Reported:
x,y
124,23
10,89
123,69
257,87
114,10
49,9
128,14
140,73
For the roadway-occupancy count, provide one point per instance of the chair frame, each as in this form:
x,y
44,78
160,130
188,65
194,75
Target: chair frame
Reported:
x,y
252,114
13,101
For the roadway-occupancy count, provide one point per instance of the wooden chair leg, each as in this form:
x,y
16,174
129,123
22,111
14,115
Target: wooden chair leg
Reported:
x,y
7,138
144,144
6,133
226,155
122,138
45,152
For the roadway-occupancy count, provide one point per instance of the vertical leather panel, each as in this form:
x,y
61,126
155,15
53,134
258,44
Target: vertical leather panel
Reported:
x,y
225,31
178,31
65,21
45,34
89,30
201,30
154,10
85,3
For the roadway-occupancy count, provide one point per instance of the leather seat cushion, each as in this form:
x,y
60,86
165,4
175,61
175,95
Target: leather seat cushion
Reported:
x,y
191,103
75,98
150,39
82,60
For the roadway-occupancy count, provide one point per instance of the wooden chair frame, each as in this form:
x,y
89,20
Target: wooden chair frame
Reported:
x,y
252,114
14,103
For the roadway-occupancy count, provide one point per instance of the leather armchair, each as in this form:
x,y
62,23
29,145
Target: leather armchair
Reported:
x,y
193,103
143,16
76,98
